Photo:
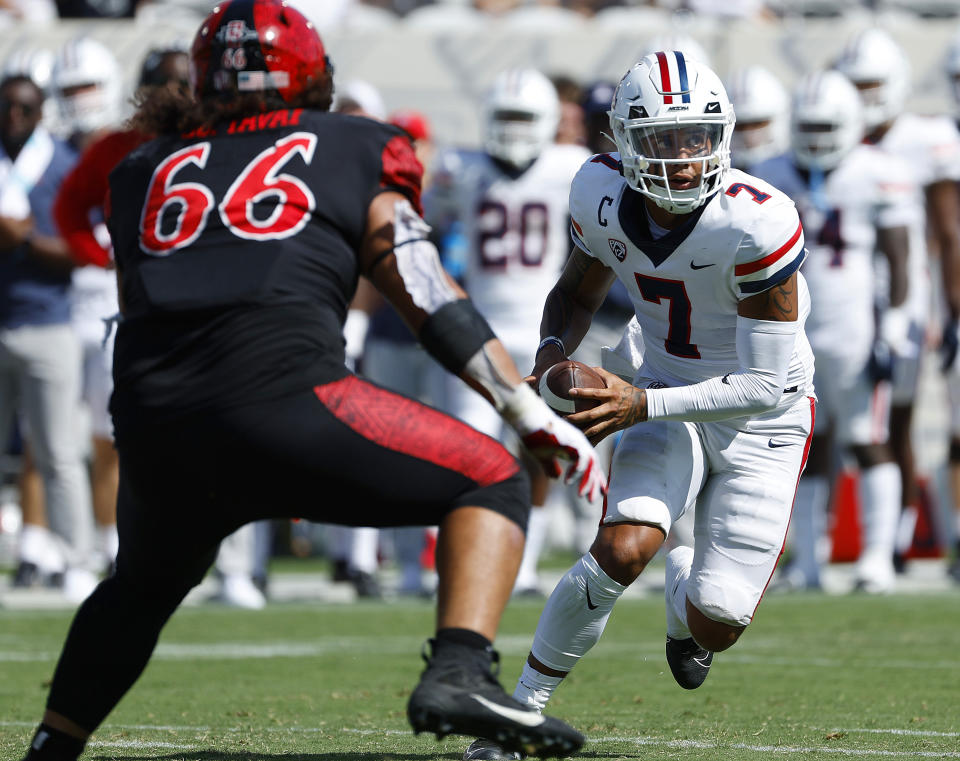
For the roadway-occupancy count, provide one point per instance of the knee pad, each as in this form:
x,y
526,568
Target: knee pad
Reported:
x,y
726,601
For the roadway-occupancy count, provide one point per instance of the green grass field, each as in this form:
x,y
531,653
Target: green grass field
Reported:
x,y
815,677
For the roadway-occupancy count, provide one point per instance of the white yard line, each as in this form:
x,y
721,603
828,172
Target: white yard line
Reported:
x,y
650,742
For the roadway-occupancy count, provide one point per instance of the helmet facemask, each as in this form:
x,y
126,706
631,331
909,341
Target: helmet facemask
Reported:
x,y
654,155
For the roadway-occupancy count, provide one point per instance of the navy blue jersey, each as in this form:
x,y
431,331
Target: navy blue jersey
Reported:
x,y
237,252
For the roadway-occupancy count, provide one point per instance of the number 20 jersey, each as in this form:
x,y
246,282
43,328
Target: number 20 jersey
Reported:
x,y
515,227
686,286
236,249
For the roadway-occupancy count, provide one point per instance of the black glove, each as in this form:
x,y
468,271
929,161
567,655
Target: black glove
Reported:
x,y
880,364
949,344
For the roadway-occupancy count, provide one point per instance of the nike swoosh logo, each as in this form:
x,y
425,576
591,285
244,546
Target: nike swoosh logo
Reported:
x,y
777,444
701,266
589,601
527,718
705,663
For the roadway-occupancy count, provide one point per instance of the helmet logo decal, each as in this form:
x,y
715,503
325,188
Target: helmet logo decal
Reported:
x,y
618,248
712,108
236,31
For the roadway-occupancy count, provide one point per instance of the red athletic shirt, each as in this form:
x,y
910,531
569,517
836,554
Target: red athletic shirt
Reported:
x,y
85,189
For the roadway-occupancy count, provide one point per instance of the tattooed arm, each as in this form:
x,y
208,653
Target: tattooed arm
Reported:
x,y
767,325
779,304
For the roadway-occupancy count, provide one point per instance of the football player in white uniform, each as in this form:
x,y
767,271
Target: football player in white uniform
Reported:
x,y
720,411
879,68
854,199
510,200
950,269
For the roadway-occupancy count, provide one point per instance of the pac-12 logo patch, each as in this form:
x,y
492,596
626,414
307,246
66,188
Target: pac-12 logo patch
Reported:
x,y
619,248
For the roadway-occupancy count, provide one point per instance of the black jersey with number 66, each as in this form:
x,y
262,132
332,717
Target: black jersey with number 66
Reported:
x,y
236,249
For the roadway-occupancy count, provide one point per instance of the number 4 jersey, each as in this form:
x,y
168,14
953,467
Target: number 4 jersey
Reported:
x,y
236,250
686,285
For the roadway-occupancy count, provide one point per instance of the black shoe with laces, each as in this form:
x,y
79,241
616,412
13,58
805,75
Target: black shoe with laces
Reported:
x,y
689,662
459,694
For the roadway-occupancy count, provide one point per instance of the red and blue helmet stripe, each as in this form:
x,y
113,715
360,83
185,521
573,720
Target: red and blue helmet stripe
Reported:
x,y
673,76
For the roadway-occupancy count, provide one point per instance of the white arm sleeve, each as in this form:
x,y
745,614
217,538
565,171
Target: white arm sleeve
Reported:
x,y
764,349
418,261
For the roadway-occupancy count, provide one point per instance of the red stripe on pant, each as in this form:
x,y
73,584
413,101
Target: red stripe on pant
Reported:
x,y
803,464
409,427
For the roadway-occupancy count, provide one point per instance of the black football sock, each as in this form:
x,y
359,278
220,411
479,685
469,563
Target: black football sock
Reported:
x,y
51,744
463,646
462,637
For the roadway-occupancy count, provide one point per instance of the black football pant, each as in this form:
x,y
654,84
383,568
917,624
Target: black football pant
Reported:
x,y
347,452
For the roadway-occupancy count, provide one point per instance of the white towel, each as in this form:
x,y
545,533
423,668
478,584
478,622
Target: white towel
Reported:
x,y
18,177
625,358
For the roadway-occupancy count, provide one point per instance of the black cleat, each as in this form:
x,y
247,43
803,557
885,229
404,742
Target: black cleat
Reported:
x,y
488,750
953,570
366,585
459,694
689,662
26,575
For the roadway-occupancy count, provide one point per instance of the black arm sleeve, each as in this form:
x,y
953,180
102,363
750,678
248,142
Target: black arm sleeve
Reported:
x,y
454,333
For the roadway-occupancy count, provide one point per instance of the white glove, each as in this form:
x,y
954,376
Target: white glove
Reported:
x,y
550,439
354,336
894,330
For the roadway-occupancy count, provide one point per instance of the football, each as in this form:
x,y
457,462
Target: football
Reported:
x,y
556,382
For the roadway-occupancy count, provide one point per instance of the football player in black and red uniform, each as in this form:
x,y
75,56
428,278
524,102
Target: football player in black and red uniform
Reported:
x,y
239,235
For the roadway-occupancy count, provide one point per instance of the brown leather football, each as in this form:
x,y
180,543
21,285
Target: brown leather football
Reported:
x,y
557,381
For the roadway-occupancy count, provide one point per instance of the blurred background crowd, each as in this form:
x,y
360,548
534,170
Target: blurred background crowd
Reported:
x,y
332,10
501,125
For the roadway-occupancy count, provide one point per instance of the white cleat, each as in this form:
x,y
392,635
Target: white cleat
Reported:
x,y
238,591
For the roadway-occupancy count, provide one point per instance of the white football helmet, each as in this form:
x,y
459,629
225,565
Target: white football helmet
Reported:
x,y
30,61
763,116
826,121
668,112
87,85
520,116
877,65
